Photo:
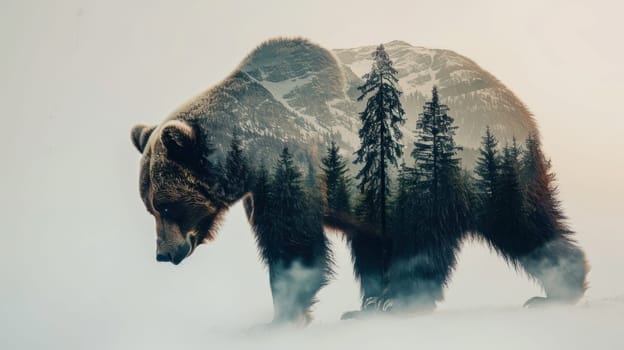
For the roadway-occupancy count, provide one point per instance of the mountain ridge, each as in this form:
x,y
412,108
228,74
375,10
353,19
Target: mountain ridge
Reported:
x,y
289,92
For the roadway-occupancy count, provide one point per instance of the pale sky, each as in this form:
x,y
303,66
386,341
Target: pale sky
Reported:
x,y
76,75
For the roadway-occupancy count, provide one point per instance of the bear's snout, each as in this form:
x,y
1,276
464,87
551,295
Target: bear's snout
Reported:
x,y
182,251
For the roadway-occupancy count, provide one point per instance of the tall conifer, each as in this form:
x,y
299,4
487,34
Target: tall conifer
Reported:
x,y
237,169
336,181
379,141
435,151
487,168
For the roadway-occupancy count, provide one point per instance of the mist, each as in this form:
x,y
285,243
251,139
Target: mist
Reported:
x,y
78,265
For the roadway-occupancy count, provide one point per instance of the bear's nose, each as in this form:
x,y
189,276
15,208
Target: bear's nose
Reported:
x,y
163,257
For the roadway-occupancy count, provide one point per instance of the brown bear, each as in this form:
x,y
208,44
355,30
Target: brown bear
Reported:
x,y
183,186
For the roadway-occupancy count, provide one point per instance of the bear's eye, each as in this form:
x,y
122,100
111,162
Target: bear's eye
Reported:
x,y
170,211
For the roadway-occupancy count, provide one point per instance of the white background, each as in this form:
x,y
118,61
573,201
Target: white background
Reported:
x,y
77,266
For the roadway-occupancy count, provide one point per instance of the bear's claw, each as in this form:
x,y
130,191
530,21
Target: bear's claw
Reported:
x,y
370,306
536,302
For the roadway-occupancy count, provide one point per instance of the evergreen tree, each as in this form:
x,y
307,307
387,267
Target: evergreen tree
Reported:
x,y
544,214
379,143
379,137
509,201
287,195
516,153
263,215
487,180
535,168
237,169
487,165
313,194
402,205
430,220
336,181
261,194
286,187
435,151
300,217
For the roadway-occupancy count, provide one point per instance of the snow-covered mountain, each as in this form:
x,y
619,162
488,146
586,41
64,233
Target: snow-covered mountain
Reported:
x,y
292,92
475,97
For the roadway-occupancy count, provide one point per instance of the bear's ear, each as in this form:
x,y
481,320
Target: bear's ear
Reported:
x,y
179,140
140,134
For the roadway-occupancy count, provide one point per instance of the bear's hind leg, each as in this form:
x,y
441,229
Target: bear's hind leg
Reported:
x,y
549,256
419,274
366,254
561,269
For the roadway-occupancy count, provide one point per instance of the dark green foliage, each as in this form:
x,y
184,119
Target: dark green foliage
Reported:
x,y
509,213
487,165
284,209
487,182
431,211
402,210
437,177
379,145
336,180
379,136
238,175
287,194
261,194
435,151
544,215
506,209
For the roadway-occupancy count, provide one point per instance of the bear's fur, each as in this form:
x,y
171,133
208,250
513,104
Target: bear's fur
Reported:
x,y
180,184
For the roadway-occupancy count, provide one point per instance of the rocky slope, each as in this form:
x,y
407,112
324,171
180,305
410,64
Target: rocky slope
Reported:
x,y
292,92
475,97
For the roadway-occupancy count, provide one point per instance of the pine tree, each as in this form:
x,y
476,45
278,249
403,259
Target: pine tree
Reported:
x,y
336,181
286,187
487,181
543,208
510,212
402,203
516,152
261,193
487,168
313,195
263,215
432,214
435,151
237,169
379,136
278,200
535,168
440,191
300,217
379,142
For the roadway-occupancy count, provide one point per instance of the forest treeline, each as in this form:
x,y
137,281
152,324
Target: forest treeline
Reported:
x,y
511,188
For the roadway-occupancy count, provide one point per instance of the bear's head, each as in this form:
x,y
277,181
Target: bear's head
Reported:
x,y
179,187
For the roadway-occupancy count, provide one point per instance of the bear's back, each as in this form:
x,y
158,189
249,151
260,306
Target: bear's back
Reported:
x,y
281,95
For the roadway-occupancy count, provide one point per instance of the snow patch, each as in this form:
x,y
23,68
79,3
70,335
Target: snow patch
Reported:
x,y
421,82
361,67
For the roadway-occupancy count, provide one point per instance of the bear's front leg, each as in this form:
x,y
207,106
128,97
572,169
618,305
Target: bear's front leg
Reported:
x,y
294,285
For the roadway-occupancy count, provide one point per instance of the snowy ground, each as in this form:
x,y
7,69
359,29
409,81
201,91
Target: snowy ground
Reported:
x,y
109,293
77,265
